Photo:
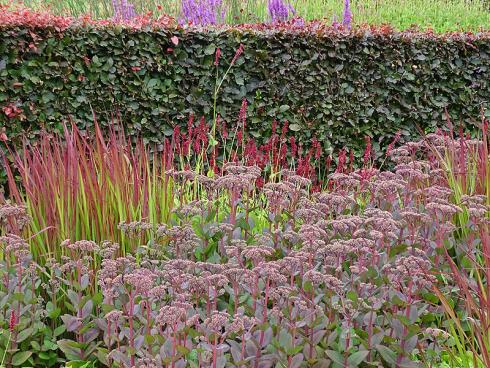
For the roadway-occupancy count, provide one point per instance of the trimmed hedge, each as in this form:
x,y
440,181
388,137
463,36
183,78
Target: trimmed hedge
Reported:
x,y
327,83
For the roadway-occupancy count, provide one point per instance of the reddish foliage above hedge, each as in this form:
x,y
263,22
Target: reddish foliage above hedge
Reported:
x,y
24,17
21,16
30,18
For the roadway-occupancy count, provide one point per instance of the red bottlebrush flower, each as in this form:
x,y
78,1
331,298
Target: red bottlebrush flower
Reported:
x,y
168,157
202,125
259,182
200,135
283,155
342,161
239,135
217,56
318,152
238,52
186,144
224,131
392,144
13,321
196,144
274,126
285,128
212,160
328,163
317,147
176,134
3,137
251,152
367,151
316,187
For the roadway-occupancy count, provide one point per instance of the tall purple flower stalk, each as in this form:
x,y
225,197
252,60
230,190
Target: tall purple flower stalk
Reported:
x,y
279,11
202,12
347,16
123,10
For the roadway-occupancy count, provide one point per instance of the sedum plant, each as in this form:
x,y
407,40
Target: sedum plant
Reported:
x,y
248,272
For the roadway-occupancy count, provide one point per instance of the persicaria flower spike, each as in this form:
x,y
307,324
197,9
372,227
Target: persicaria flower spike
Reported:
x,y
238,52
13,321
217,56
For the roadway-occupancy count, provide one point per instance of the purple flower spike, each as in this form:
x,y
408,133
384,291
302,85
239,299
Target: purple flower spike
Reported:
x,y
202,12
279,11
123,10
347,16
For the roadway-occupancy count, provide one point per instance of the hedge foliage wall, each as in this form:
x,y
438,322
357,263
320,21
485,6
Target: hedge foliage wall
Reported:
x,y
337,86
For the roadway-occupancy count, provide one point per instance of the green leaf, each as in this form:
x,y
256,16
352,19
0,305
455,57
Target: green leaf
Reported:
x,y
35,345
182,350
24,334
70,348
44,355
20,357
98,298
210,49
18,297
387,354
152,82
357,358
295,127
55,313
335,356
79,364
59,330
285,340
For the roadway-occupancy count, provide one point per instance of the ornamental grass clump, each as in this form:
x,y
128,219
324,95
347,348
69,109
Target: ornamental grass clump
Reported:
x,y
78,187
257,267
466,164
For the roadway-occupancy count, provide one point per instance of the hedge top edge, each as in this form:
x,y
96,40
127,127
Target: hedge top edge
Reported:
x,y
32,19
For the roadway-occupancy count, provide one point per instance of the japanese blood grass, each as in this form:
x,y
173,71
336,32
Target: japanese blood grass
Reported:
x,y
468,309
466,164
81,188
